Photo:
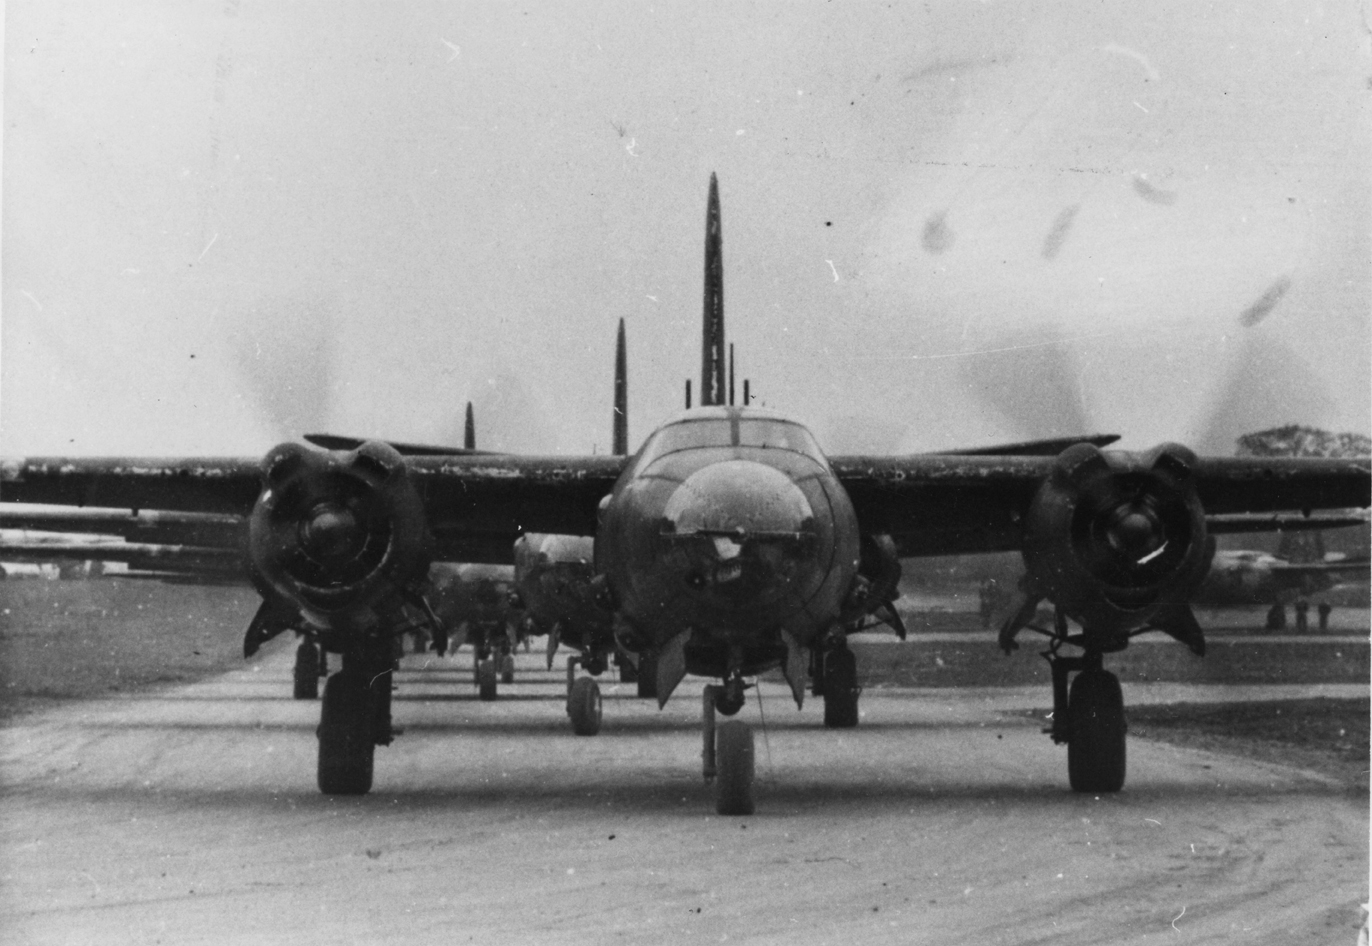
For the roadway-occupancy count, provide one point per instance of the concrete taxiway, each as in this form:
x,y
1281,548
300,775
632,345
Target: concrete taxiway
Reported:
x,y
190,815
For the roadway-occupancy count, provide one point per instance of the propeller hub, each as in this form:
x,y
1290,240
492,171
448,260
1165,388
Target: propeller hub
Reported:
x,y
1134,530
330,532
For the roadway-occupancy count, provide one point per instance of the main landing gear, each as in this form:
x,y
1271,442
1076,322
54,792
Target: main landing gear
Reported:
x,y
1089,719
833,673
309,667
355,719
493,663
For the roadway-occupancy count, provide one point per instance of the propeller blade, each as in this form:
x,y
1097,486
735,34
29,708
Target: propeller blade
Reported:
x,y
1031,380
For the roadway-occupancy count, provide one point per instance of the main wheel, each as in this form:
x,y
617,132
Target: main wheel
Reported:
x,y
584,706
306,671
840,689
486,680
507,668
647,675
734,768
1096,727
628,673
345,736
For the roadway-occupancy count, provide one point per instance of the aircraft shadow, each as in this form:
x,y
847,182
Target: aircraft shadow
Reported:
x,y
681,793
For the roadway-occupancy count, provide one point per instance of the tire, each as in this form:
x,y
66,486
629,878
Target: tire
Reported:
x,y
628,673
840,689
1096,728
486,680
584,707
734,760
345,736
507,668
647,676
306,680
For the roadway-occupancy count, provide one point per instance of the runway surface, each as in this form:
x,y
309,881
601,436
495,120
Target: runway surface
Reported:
x,y
190,816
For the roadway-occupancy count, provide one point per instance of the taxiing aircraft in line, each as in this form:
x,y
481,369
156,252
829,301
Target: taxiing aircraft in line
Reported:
x,y
1245,576
728,544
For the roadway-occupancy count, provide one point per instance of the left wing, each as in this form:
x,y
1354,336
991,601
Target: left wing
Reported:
x,y
473,506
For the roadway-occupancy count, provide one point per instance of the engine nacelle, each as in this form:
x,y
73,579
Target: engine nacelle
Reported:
x,y
1112,538
337,532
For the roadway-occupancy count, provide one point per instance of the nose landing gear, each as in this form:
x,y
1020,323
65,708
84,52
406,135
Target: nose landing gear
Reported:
x,y
727,755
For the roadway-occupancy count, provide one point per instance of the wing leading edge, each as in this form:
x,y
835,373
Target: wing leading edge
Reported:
x,y
955,504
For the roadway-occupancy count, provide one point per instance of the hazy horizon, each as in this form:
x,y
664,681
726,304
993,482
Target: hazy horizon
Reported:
x,y
230,223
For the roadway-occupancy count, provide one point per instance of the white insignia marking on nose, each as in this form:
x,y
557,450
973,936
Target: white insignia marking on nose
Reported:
x,y
726,547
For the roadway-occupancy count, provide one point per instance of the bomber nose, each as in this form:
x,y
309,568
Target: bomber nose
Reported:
x,y
739,498
745,530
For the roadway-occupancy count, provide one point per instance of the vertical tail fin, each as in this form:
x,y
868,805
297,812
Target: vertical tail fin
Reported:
x,y
712,383
731,374
469,434
620,437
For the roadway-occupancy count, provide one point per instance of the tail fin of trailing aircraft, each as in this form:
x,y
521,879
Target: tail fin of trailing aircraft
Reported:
x,y
620,437
712,368
469,433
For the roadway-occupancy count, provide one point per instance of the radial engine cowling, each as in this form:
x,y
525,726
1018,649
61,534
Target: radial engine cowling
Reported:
x,y
1113,538
336,531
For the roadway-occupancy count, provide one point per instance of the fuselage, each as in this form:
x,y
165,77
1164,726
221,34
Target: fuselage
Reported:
x,y
729,524
553,575
474,595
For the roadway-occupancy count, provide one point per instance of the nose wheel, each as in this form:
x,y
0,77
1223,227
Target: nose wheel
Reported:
x,y
727,756
584,706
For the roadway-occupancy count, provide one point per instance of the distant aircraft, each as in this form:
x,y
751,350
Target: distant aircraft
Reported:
x,y
555,584
1244,576
728,545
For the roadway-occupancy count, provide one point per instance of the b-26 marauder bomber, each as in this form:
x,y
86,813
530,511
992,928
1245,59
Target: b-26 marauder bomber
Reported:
x,y
729,544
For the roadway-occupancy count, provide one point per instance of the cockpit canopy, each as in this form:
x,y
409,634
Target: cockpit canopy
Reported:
x,y
731,427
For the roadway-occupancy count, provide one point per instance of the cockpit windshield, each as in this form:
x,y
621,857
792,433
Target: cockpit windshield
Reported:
x,y
778,434
685,435
767,433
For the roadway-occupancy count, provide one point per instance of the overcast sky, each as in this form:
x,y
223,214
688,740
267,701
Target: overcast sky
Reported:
x,y
945,224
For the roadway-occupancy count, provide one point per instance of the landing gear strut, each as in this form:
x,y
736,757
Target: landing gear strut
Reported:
x,y
1090,719
727,754
583,700
493,661
355,718
836,680
306,676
